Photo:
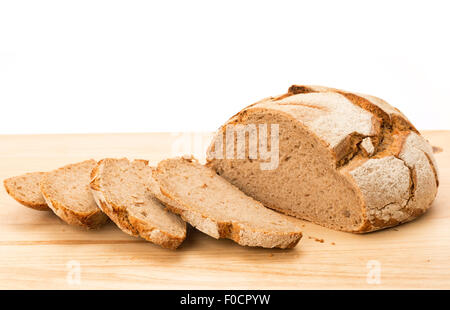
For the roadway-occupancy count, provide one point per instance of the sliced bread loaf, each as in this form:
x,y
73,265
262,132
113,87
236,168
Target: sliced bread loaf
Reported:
x,y
343,160
219,209
66,191
123,190
25,190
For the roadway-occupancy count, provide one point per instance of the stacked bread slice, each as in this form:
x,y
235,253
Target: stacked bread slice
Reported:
x,y
122,189
25,189
86,194
66,191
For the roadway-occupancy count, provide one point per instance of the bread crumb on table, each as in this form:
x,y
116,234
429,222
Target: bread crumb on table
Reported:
x,y
316,239
437,149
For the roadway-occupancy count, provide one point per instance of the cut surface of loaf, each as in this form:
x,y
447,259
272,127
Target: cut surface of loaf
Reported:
x,y
343,160
123,190
25,190
66,191
217,208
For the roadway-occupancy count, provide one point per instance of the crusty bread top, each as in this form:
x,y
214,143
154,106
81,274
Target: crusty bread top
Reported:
x,y
340,119
122,189
25,189
373,104
66,191
322,111
199,194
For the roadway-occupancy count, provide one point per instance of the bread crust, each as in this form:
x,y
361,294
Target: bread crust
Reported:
x,y
237,232
89,220
392,135
126,221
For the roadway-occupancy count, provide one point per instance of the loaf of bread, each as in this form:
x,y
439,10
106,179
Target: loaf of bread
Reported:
x,y
343,160
217,208
124,191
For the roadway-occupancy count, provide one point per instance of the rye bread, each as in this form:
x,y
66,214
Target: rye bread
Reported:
x,y
66,191
123,190
25,190
346,161
217,208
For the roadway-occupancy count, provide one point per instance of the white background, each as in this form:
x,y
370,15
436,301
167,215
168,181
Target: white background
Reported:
x,y
139,66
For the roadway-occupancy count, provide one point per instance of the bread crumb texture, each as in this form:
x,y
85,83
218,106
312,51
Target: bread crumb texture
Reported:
x,y
125,192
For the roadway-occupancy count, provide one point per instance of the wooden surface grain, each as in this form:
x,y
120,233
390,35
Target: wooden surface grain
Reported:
x,y
38,251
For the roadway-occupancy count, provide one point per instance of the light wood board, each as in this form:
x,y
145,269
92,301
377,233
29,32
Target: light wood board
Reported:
x,y
38,251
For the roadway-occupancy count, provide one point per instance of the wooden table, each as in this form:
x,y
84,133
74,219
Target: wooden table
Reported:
x,y
38,251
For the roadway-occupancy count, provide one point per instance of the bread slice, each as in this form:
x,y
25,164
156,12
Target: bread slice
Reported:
x,y
122,189
66,191
25,190
219,209
343,160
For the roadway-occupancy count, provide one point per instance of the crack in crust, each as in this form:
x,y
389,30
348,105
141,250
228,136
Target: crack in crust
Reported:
x,y
390,141
300,89
384,143
409,213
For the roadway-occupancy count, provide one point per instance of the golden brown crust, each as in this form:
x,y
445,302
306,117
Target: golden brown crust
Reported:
x,y
161,238
118,215
391,131
92,220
